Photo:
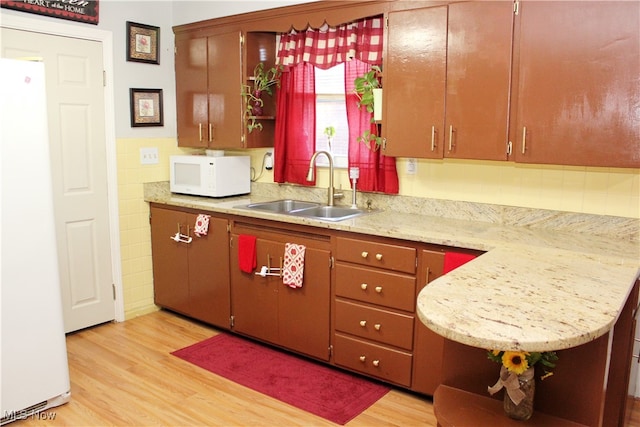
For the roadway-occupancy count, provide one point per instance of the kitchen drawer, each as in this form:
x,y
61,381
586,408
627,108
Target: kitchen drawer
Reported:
x,y
374,324
372,359
379,287
374,254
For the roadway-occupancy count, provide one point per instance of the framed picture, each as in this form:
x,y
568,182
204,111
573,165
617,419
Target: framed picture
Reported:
x,y
143,43
146,107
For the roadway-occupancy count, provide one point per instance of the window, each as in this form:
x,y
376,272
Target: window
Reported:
x,y
331,111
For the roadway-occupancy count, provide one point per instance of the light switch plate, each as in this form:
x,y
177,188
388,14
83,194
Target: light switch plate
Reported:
x,y
149,155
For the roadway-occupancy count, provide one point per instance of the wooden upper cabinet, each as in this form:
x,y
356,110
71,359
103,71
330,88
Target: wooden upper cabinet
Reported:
x,y
578,98
225,79
479,47
448,55
414,80
210,72
192,107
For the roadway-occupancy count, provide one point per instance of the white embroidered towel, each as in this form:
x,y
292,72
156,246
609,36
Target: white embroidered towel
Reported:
x,y
293,268
202,225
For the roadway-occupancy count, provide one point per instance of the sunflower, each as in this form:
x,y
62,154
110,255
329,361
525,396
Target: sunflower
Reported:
x,y
515,361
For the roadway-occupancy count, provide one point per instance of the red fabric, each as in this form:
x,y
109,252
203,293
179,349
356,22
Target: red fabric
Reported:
x,y
328,46
321,390
453,260
293,269
296,125
247,253
377,171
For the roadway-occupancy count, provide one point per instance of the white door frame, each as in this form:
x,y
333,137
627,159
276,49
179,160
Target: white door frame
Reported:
x,y
106,38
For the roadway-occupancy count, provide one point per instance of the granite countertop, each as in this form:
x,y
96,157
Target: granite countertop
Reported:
x,y
535,288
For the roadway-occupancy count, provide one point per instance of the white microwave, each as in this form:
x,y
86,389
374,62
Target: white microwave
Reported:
x,y
210,176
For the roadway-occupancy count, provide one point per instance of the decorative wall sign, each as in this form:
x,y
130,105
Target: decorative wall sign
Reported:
x,y
146,107
73,10
143,43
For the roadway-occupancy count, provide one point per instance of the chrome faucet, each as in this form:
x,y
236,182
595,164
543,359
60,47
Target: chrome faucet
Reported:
x,y
332,194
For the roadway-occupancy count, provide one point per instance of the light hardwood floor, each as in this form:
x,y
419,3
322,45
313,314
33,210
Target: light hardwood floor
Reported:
x,y
122,374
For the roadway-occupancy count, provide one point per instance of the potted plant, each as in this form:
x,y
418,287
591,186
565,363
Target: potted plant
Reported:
x,y
263,82
330,132
365,87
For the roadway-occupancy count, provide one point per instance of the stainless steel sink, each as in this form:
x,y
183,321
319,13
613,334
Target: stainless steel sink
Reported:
x,y
329,213
305,209
281,206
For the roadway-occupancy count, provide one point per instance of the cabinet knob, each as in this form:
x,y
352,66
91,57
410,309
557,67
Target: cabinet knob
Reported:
x,y
376,363
377,326
363,323
365,254
378,289
379,257
363,286
363,358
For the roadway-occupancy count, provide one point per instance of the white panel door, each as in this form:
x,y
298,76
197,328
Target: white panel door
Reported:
x,y
75,104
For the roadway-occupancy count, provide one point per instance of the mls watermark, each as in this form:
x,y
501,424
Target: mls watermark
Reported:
x,y
24,414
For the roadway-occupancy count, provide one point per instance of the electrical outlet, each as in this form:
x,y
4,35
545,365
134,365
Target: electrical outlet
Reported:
x,y
412,166
268,162
149,156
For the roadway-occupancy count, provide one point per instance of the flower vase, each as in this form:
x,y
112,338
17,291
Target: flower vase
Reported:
x,y
257,103
524,409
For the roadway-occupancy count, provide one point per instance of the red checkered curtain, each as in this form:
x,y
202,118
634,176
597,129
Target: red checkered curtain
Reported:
x,y
323,48
329,46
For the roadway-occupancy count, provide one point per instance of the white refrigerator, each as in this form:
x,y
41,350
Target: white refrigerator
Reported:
x,y
34,371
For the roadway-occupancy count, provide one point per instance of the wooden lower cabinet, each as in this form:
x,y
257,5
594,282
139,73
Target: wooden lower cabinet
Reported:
x,y
374,307
427,357
268,310
191,278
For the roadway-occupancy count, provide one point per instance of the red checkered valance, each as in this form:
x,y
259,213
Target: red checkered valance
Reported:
x,y
327,46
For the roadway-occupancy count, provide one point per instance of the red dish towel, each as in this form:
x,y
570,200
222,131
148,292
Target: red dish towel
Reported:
x,y
453,260
247,253
293,269
202,225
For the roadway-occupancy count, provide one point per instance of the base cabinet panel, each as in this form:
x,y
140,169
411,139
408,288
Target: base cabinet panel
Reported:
x,y
191,278
268,310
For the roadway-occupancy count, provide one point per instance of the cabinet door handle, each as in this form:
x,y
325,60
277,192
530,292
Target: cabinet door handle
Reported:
x,y
450,137
379,257
365,254
433,138
363,359
210,132
376,363
524,139
426,279
377,326
363,323
378,289
364,286
200,131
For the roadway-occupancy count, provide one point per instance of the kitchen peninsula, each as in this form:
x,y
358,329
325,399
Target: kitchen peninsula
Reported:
x,y
566,277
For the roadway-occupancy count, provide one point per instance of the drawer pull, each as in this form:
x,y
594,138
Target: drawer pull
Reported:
x,y
363,359
376,363
378,289
377,326
365,254
363,286
379,257
363,323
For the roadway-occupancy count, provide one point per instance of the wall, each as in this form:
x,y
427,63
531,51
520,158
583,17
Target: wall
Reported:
x,y
587,190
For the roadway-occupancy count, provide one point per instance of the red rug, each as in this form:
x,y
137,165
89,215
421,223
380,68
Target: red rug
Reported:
x,y
321,390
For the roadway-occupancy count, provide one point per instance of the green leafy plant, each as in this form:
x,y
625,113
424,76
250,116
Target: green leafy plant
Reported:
x,y
363,88
329,132
263,81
